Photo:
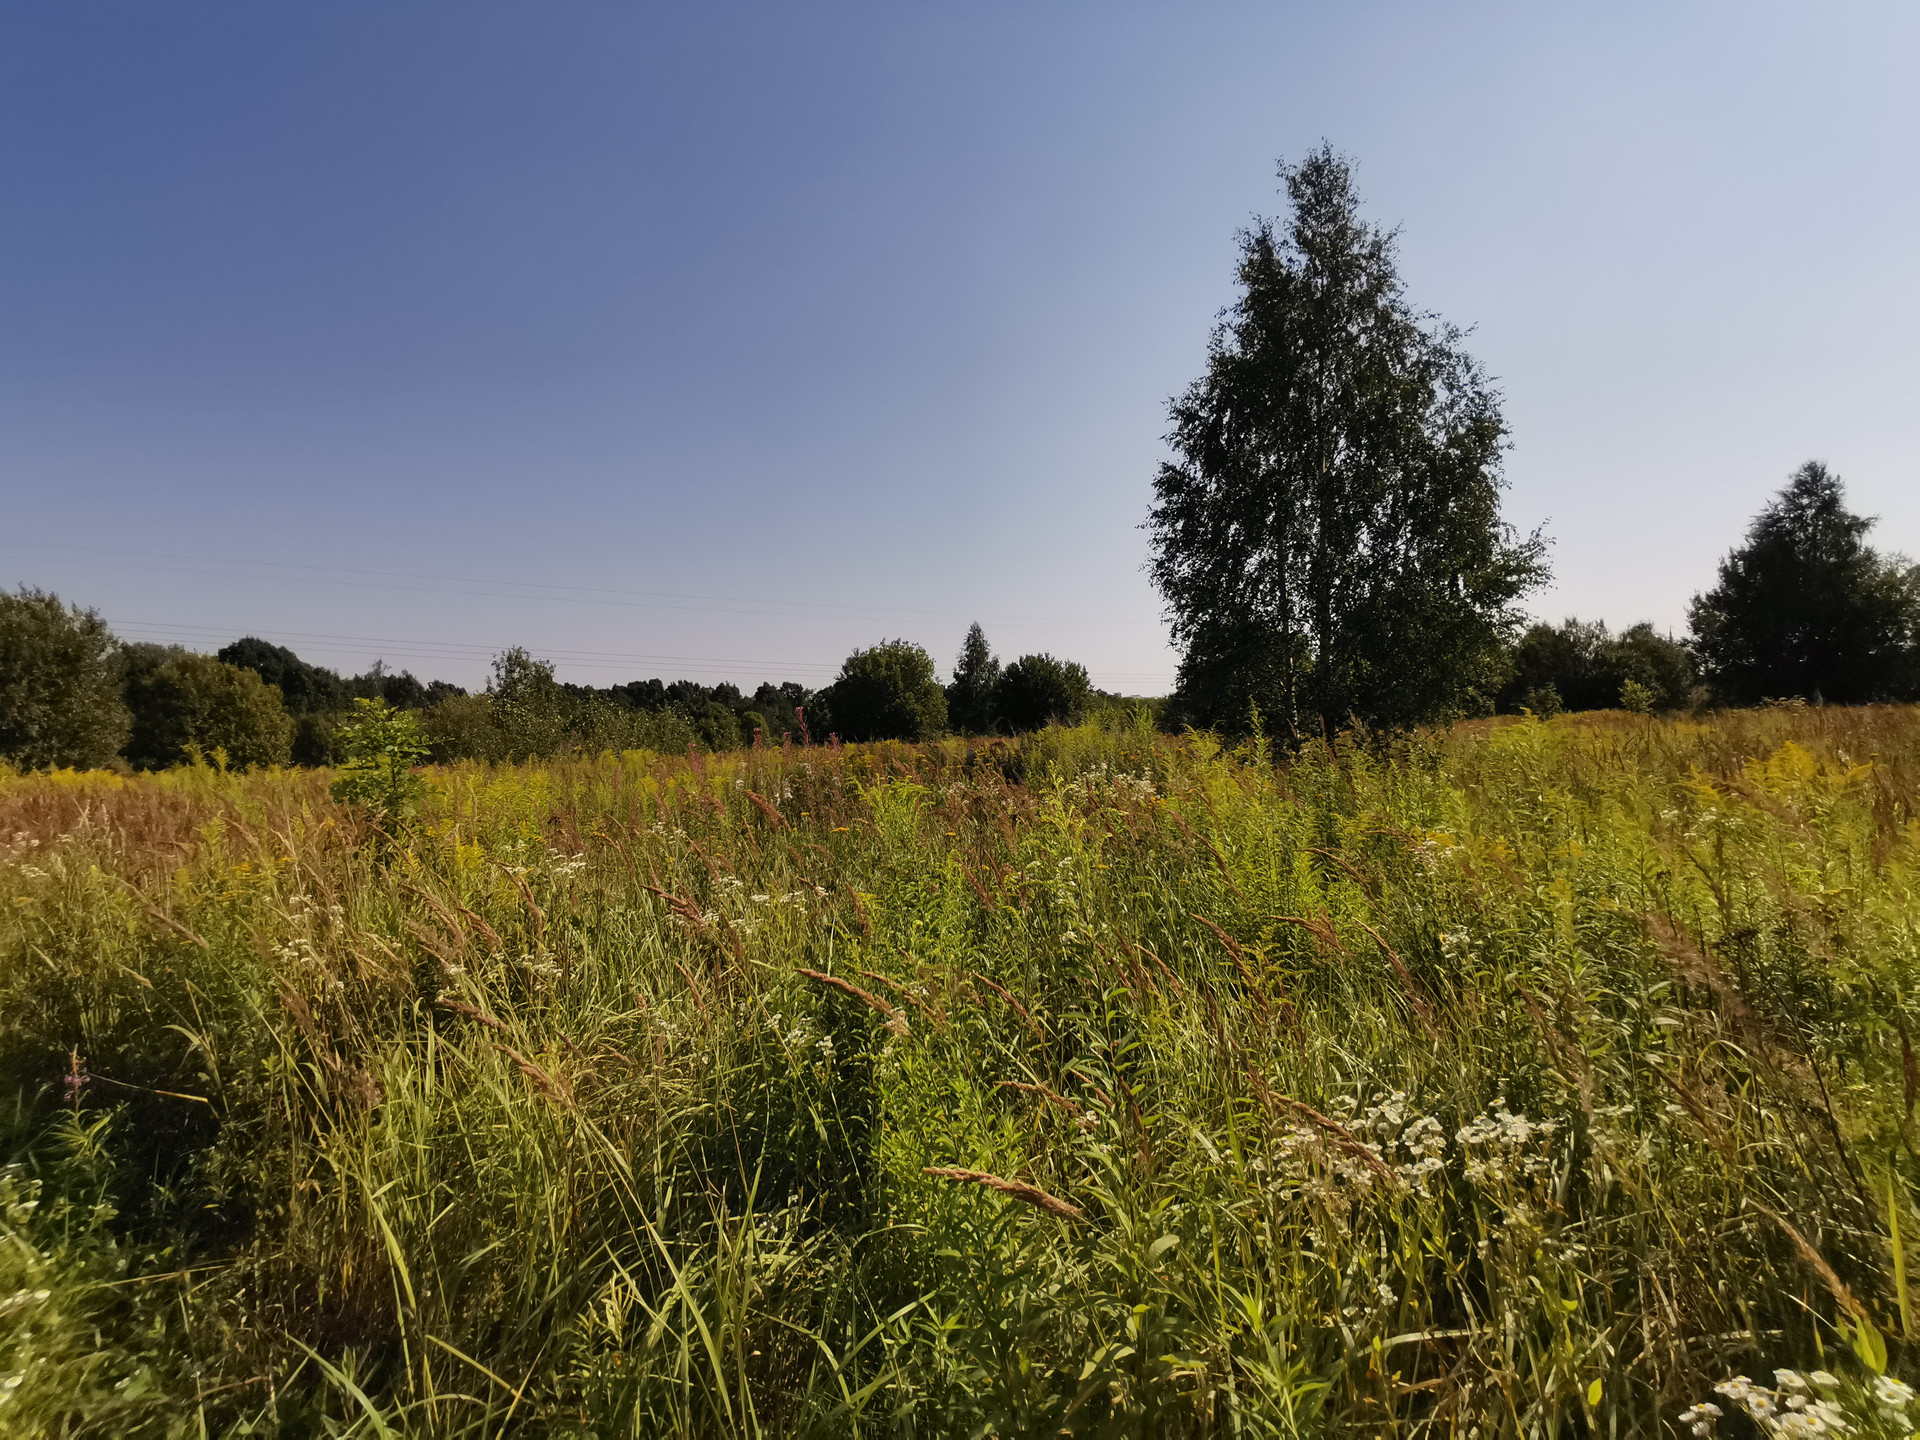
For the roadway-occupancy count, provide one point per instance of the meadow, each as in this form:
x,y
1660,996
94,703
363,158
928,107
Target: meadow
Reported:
x,y
1521,1079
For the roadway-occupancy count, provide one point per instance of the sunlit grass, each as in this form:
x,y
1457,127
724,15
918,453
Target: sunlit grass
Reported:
x,y
1527,1078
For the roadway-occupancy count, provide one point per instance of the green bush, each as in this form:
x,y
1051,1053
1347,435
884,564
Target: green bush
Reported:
x,y
461,727
717,726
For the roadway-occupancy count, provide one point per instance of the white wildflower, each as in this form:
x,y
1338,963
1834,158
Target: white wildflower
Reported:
x,y
1699,1418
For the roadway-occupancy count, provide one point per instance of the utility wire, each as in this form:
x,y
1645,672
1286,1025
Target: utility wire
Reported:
x,y
467,651
500,588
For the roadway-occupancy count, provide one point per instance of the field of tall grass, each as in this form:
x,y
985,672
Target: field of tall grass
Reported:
x,y
1525,1079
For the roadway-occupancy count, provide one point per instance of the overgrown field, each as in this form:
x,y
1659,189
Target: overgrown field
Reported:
x,y
1524,1080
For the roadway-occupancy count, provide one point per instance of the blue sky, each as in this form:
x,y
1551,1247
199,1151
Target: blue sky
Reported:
x,y
715,340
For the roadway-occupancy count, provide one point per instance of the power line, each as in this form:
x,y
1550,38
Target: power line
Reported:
x,y
461,650
498,588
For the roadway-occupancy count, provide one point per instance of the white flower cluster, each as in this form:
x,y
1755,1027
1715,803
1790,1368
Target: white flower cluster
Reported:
x,y
1797,1406
1428,1143
1495,1141
1091,781
1888,1391
564,865
795,898
1385,1129
1699,1418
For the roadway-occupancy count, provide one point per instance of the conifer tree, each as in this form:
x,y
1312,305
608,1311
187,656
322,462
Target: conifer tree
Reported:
x,y
976,674
1805,608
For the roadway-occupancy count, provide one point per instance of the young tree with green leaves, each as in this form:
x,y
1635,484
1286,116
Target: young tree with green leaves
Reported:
x,y
1805,608
59,684
1328,537
382,746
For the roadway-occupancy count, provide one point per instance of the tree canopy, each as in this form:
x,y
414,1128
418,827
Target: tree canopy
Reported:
x,y
304,689
1580,665
888,693
1037,690
976,673
184,703
1328,538
59,684
1805,608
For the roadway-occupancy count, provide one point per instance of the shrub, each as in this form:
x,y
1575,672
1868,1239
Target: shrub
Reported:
x,y
185,704
717,726
888,693
530,708
461,727
59,684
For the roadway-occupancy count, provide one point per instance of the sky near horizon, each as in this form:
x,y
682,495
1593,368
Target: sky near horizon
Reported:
x,y
714,341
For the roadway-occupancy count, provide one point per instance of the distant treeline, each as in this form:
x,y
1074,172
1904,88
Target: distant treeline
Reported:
x,y
71,694
1803,610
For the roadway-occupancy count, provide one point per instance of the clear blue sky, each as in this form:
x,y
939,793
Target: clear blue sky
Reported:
x,y
715,339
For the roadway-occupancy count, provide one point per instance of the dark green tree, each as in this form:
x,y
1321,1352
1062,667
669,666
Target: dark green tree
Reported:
x,y
1660,665
640,694
59,684
1805,608
1037,690
975,674
185,704
304,689
888,693
1329,539
399,688
718,726
1580,665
